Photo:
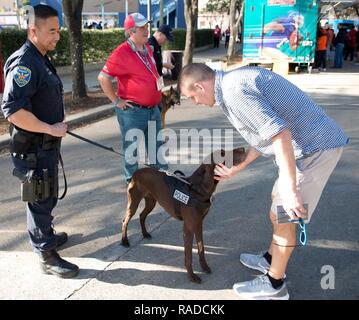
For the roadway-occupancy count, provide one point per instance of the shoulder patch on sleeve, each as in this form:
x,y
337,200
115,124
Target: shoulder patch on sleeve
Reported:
x,y
22,76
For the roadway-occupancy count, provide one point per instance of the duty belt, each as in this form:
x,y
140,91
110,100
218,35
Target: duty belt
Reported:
x,y
43,140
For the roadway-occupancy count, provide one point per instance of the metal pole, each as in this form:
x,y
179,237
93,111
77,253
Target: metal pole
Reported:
x,y
176,16
16,5
126,8
149,15
103,14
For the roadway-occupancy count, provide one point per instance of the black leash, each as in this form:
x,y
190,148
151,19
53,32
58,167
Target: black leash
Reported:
x,y
65,180
95,143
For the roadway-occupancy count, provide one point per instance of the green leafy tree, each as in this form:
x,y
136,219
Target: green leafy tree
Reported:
x,y
219,6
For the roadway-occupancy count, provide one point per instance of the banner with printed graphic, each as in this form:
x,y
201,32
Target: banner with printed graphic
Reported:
x,y
280,29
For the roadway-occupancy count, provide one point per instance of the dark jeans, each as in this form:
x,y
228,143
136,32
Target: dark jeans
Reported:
x,y
321,59
137,119
349,51
216,42
338,60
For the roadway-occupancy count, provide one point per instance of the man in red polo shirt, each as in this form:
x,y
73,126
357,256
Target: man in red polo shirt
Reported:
x,y
138,91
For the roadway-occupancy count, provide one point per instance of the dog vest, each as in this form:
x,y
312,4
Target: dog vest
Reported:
x,y
183,194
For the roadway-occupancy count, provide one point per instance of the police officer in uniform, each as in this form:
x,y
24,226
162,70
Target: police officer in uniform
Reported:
x,y
159,38
33,104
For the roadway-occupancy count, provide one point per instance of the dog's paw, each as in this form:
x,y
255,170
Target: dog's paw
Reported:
x,y
125,242
206,268
147,235
194,278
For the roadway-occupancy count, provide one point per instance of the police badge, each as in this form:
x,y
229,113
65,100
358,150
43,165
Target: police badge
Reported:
x,y
22,76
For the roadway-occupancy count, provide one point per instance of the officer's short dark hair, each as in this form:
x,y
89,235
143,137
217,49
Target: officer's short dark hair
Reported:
x,y
43,12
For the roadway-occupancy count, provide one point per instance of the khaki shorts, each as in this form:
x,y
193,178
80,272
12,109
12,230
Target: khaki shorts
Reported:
x,y
313,173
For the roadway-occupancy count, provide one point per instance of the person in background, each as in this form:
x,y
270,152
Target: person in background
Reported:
x,y
330,47
156,41
227,35
321,49
351,43
138,92
217,36
339,42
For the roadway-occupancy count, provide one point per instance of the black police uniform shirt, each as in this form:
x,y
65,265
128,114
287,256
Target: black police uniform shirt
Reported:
x,y
157,54
32,84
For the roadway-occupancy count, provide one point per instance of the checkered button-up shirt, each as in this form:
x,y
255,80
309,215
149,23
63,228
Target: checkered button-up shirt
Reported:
x,y
260,104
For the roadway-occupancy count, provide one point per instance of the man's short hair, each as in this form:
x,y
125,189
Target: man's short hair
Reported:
x,y
128,32
192,73
43,12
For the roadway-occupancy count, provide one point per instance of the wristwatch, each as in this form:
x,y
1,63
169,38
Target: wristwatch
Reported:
x,y
117,101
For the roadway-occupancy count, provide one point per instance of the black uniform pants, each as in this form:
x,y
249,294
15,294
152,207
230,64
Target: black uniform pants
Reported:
x,y
39,214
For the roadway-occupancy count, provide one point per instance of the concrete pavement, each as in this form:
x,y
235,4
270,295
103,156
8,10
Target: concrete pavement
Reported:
x,y
153,269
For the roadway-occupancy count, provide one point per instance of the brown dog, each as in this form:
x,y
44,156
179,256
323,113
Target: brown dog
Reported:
x,y
155,186
170,98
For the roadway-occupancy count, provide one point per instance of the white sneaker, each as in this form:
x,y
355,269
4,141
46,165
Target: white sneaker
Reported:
x,y
260,289
255,261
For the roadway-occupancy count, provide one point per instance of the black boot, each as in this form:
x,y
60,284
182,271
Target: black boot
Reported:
x,y
60,238
52,263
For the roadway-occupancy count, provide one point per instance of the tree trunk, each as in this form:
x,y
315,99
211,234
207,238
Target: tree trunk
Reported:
x,y
356,8
234,24
191,15
73,13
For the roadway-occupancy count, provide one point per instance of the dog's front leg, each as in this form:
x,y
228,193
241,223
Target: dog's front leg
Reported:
x,y
200,245
188,242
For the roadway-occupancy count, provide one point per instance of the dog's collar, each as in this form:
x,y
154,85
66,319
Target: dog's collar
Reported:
x,y
170,174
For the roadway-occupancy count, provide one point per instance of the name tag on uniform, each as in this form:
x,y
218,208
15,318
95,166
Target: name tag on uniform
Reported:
x,y
160,83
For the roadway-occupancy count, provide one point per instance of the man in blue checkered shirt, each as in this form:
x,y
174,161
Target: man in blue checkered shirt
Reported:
x,y
275,118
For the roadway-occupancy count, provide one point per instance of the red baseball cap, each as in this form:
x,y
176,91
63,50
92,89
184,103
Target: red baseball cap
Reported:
x,y
135,20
